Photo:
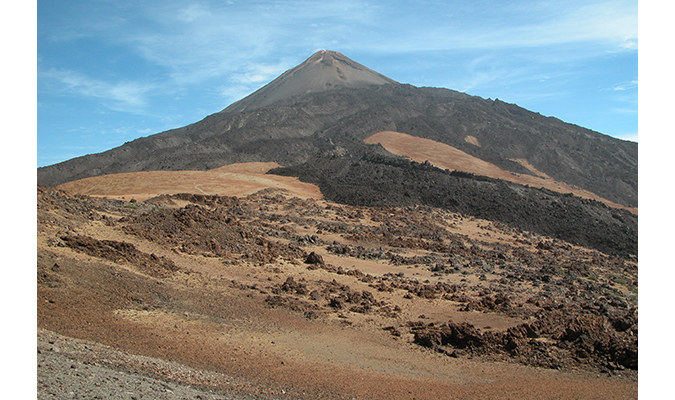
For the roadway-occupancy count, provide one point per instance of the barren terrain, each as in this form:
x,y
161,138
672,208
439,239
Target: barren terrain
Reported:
x,y
448,157
274,294
239,179
268,251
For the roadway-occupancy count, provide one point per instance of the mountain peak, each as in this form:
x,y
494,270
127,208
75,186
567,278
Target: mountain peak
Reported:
x,y
323,71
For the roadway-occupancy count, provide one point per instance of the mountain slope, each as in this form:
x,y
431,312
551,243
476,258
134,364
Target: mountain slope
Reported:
x,y
231,180
314,119
292,130
448,157
323,71
376,178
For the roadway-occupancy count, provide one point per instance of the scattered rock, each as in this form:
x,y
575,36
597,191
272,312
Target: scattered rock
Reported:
x,y
314,258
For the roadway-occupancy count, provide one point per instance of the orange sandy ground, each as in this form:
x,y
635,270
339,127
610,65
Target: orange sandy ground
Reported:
x,y
448,157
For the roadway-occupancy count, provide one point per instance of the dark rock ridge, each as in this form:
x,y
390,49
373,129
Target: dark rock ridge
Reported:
x,y
299,125
378,179
313,119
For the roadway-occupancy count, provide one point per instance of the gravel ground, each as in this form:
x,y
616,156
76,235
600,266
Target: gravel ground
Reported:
x,y
68,368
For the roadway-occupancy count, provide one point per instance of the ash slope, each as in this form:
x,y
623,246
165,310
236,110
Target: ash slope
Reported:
x,y
378,179
330,100
322,72
317,131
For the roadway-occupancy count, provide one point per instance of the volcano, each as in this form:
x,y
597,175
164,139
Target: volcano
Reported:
x,y
337,234
323,71
318,121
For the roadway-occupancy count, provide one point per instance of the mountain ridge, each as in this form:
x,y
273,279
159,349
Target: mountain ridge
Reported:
x,y
319,137
229,137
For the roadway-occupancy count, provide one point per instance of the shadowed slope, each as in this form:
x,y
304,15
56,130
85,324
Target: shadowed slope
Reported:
x,y
319,136
448,157
293,130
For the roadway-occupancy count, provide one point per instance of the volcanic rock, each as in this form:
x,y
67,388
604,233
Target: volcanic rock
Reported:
x,y
314,258
313,121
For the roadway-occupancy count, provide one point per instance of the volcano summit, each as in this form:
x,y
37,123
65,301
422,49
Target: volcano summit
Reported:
x,y
323,71
316,119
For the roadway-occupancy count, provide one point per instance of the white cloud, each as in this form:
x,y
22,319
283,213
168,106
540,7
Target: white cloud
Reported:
x,y
192,12
508,25
259,73
604,21
238,46
626,86
121,96
235,92
240,84
630,44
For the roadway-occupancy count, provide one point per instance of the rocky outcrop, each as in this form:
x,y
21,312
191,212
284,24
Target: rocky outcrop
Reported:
x,y
562,338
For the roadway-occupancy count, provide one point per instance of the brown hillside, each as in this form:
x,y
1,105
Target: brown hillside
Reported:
x,y
324,71
398,303
231,180
447,157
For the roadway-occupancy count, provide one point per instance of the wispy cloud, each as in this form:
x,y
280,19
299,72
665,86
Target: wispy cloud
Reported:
x,y
206,53
611,22
120,96
211,40
509,25
625,86
251,78
197,42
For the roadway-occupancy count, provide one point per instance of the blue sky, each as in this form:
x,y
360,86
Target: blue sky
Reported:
x,y
112,71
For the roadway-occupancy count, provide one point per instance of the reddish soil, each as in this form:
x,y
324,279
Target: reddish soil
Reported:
x,y
448,157
226,285
230,180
